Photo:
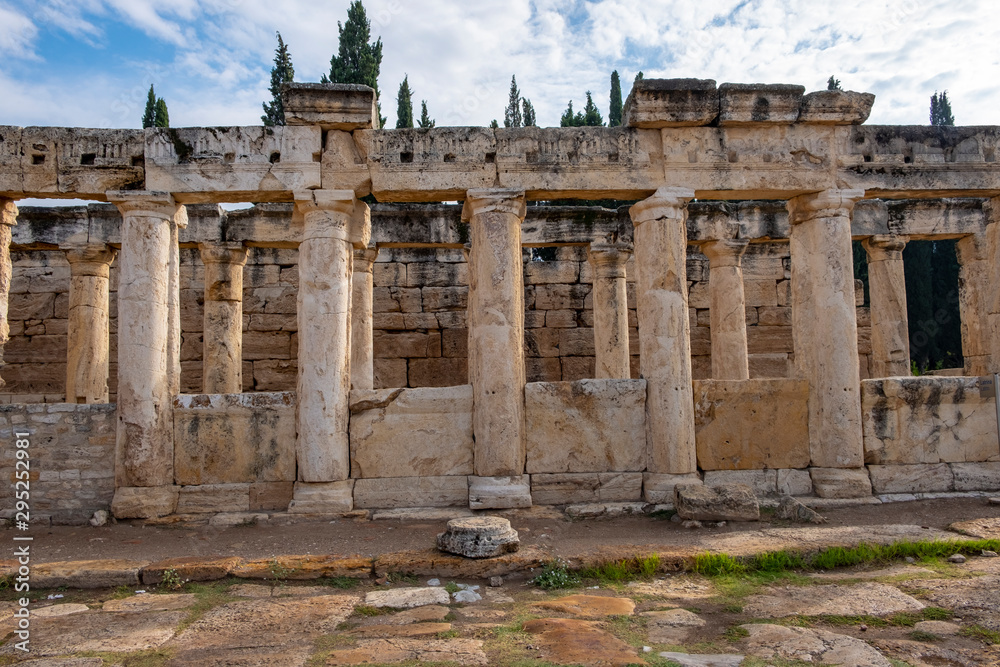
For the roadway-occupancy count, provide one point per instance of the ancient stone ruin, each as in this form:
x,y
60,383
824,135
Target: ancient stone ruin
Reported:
x,y
316,355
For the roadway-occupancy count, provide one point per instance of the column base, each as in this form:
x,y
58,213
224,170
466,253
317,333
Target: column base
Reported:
x,y
841,482
658,488
322,497
144,502
499,492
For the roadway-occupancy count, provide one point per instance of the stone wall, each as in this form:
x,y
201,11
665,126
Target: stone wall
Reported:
x,y
72,459
419,315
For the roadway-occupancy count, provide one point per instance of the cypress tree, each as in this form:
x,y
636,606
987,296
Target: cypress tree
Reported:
x,y
512,114
591,114
357,60
529,112
404,104
149,115
282,72
425,119
941,110
833,83
494,124
161,118
569,119
615,110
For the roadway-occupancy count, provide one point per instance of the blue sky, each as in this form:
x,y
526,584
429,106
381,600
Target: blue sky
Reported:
x,y
89,62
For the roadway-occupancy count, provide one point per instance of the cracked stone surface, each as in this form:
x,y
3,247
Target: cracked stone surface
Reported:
x,y
808,645
873,599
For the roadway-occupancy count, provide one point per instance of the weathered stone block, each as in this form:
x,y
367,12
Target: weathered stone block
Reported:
x,y
441,372
763,482
658,488
83,161
730,502
499,492
841,482
976,476
927,420
836,107
760,423
388,492
756,103
210,498
233,438
424,432
332,106
271,496
479,537
585,426
322,497
919,478
144,502
657,103
567,488
794,483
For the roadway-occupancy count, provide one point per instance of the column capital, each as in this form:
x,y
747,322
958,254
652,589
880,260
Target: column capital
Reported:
x,y
364,259
666,203
149,203
223,253
493,200
92,259
724,252
881,247
8,212
609,258
825,204
334,214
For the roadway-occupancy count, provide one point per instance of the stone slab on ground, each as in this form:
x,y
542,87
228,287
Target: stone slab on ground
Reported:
x,y
303,567
589,606
99,631
983,529
427,614
940,628
158,602
406,598
288,655
87,574
976,597
571,641
190,568
819,646
54,610
63,662
729,502
703,660
672,626
448,651
872,599
407,630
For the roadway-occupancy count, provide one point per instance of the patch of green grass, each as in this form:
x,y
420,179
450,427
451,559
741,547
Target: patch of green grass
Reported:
x,y
156,657
985,635
555,574
899,663
365,610
278,571
404,578
630,629
735,633
122,592
921,636
624,570
712,565
344,583
448,634
733,608
452,587
936,614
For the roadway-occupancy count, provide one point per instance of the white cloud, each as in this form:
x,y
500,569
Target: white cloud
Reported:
x,y
17,34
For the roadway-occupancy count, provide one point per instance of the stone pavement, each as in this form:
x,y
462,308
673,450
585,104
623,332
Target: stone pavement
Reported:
x,y
314,610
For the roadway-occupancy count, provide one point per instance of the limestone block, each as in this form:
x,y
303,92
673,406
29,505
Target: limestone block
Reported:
x,y
567,488
841,482
270,496
976,476
499,492
759,423
659,488
479,537
144,502
407,598
83,161
612,162
425,432
256,163
438,372
730,502
389,492
657,103
927,419
585,426
463,158
390,373
763,482
918,478
756,104
332,106
233,438
794,483
836,107
322,497
11,181
213,498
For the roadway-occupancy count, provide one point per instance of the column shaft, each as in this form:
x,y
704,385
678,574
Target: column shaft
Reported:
x,y
664,329
730,359
496,329
145,416
975,287
88,333
362,344
887,286
324,307
8,218
824,324
610,310
222,365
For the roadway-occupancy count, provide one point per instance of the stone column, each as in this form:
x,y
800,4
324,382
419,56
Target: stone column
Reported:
x,y
496,344
8,218
824,324
174,309
730,359
88,334
976,287
222,366
664,330
144,452
324,312
610,310
362,354
887,286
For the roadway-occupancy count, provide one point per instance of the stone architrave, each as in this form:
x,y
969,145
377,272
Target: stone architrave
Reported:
x,y
88,329
730,359
887,286
222,354
496,329
334,223
8,218
664,329
144,452
610,311
824,324
362,343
